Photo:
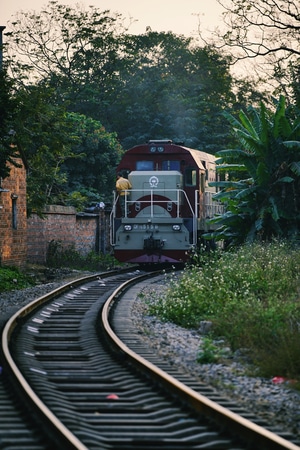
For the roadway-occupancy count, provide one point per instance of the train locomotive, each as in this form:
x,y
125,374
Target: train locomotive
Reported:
x,y
166,209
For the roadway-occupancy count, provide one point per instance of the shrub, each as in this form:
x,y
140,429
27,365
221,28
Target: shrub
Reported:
x,y
59,256
251,295
11,278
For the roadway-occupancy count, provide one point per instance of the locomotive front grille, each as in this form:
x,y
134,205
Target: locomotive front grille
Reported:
x,y
153,244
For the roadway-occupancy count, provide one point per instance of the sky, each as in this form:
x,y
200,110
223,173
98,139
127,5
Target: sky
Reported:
x,y
180,17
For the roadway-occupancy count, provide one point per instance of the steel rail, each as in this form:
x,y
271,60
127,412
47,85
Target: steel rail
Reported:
x,y
70,441
261,437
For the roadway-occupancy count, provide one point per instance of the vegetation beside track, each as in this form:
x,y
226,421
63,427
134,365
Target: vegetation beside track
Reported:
x,y
61,262
252,298
12,278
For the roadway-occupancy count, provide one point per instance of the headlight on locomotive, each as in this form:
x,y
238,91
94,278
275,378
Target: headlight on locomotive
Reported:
x,y
127,227
176,227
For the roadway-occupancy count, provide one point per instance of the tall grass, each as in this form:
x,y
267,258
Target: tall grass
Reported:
x,y
252,298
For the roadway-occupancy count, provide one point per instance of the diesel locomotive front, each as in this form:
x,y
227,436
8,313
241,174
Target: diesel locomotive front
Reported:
x,y
166,209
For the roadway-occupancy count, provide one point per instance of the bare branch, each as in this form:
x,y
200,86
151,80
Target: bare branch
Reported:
x,y
262,27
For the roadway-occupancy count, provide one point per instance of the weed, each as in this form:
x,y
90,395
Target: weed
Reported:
x,y
209,352
251,296
12,278
60,256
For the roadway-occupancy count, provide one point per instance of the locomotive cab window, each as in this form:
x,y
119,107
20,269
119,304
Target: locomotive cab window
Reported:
x,y
145,165
190,176
171,165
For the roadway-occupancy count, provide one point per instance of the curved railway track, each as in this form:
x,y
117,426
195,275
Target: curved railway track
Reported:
x,y
84,380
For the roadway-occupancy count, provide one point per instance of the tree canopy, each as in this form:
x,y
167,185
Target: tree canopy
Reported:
x,y
172,89
85,88
148,86
7,106
66,152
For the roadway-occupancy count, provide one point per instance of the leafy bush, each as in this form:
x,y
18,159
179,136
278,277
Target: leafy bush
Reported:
x,y
210,352
11,278
59,256
251,296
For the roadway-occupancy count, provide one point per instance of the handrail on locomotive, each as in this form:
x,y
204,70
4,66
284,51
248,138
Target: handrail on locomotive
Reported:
x,y
153,202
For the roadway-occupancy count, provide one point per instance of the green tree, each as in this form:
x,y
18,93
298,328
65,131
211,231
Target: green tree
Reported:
x,y
148,86
66,152
7,108
44,134
173,89
99,153
78,52
262,192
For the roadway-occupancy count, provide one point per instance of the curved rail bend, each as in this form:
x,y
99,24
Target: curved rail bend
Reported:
x,y
68,439
250,431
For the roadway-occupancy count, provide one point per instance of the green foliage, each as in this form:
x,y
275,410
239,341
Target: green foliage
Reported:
x,y
11,278
145,86
210,352
59,256
77,200
66,152
7,105
95,76
83,61
251,296
262,188
173,88
46,137
98,152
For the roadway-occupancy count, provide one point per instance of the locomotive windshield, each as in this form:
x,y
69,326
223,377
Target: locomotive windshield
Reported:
x,y
171,165
144,165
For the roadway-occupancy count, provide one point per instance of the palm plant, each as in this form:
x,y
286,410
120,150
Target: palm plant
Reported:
x,y
261,189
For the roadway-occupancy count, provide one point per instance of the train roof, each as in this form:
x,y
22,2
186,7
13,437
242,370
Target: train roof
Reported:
x,y
168,147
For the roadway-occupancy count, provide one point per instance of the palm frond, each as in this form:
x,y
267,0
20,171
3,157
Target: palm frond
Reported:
x,y
274,211
250,143
231,167
263,175
230,152
264,126
232,120
292,144
284,180
245,192
279,114
248,124
295,167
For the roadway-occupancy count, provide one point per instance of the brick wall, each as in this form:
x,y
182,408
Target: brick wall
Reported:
x,y
83,232
86,234
13,221
25,239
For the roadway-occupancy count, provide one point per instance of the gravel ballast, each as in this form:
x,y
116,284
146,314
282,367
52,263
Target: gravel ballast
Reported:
x,y
278,404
